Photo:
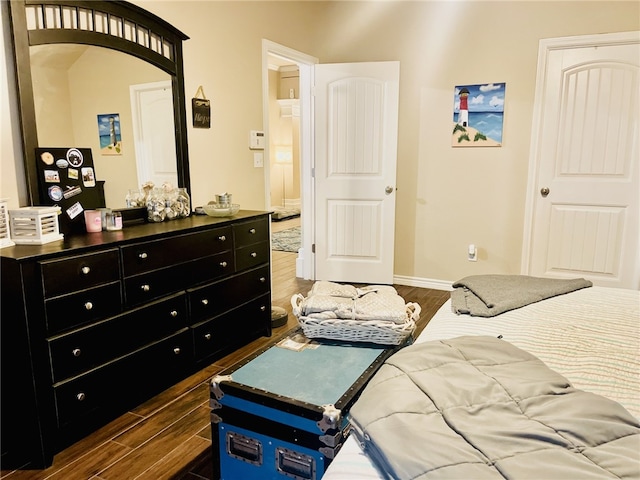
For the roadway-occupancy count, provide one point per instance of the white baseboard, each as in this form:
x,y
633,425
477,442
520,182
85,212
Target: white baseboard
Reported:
x,y
422,282
300,263
397,279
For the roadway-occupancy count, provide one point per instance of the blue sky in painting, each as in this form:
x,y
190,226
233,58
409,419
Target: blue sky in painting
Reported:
x,y
485,97
103,123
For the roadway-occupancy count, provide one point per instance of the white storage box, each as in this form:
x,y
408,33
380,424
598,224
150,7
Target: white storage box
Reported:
x,y
5,236
35,225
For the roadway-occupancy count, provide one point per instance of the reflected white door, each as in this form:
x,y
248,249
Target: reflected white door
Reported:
x,y
356,127
154,135
585,192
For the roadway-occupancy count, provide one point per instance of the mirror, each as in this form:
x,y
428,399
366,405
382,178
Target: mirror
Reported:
x,y
75,86
96,43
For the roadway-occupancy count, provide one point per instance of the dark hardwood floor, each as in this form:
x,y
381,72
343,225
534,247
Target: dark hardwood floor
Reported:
x,y
169,436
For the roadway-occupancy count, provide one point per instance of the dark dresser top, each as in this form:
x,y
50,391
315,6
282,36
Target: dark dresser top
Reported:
x,y
130,234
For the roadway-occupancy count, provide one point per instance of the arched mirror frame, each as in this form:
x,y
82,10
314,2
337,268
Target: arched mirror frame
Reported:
x,y
115,24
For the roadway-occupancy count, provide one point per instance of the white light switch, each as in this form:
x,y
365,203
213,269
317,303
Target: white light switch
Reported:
x,y
256,140
258,160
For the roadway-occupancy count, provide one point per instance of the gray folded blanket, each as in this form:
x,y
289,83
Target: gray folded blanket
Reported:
x,y
490,295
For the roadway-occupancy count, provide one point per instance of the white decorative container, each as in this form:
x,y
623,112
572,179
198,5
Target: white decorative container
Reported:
x,y
35,225
5,234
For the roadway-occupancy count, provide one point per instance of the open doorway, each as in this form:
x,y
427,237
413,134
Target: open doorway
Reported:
x,y
284,138
288,154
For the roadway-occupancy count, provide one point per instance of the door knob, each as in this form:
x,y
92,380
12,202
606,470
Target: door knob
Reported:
x,y
544,191
388,190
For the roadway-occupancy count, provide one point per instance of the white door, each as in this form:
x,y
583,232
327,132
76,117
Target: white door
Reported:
x,y
584,185
356,128
154,134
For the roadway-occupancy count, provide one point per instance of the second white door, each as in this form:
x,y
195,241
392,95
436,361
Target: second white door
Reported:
x,y
585,192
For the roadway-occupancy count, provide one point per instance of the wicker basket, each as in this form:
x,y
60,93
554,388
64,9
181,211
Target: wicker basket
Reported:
x,y
373,331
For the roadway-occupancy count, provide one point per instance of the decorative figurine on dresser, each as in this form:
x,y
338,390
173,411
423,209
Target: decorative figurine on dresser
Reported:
x,y
96,323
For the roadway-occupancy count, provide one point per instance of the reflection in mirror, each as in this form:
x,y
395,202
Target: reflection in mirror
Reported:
x,y
73,84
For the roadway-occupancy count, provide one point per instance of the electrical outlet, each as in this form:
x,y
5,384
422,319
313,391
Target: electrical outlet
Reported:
x,y
472,253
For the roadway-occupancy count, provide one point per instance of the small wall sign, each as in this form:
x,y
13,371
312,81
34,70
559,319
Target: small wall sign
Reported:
x,y
201,110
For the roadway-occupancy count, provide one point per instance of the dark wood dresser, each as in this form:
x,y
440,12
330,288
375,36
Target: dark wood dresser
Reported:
x,y
95,324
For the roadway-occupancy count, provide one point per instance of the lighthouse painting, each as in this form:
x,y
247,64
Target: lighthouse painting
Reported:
x,y
109,131
478,114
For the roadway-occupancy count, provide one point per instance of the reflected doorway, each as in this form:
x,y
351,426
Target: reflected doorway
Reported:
x,y
152,123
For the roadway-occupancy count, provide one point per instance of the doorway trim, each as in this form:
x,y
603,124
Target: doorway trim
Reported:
x,y
305,267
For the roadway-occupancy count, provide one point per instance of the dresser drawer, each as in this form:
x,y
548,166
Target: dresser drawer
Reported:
x,y
152,285
113,385
212,299
80,272
248,233
253,255
233,327
88,347
79,308
147,256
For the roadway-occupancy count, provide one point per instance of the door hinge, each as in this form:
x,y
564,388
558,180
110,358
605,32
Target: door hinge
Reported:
x,y
313,172
313,248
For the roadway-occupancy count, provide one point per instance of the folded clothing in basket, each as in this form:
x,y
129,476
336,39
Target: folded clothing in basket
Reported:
x,y
328,300
375,313
322,287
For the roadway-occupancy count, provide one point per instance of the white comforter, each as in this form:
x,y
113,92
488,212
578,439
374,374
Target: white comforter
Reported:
x,y
591,336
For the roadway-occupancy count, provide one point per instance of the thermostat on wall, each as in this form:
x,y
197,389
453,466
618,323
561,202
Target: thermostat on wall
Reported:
x,y
256,140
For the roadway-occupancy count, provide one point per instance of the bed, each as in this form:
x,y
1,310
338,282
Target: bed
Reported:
x,y
590,336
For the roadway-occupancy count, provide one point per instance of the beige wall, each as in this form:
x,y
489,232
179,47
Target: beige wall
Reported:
x,y
99,80
447,197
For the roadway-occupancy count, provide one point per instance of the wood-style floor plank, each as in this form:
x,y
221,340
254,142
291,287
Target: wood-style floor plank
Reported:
x,y
161,445
90,465
149,427
169,436
175,391
172,465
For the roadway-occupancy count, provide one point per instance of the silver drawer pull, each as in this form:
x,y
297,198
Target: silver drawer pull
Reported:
x,y
222,238
177,350
254,254
174,313
80,396
85,270
223,264
252,231
263,308
262,279
88,306
205,301
142,255
207,336
76,352
145,288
